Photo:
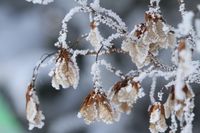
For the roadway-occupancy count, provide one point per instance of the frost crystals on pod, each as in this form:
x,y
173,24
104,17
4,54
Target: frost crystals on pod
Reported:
x,y
158,33
157,118
66,73
94,36
174,104
134,45
124,94
97,107
185,68
33,114
148,37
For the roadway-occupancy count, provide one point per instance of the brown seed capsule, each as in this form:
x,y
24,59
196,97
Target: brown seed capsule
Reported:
x,y
174,104
66,73
158,32
33,114
94,37
124,94
182,45
96,106
157,118
148,37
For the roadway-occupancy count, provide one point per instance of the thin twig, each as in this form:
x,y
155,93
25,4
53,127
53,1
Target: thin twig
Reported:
x,y
157,64
38,65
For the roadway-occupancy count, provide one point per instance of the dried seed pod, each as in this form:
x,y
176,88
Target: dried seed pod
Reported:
x,y
124,94
158,33
33,114
96,106
185,67
94,36
157,118
148,37
66,73
174,104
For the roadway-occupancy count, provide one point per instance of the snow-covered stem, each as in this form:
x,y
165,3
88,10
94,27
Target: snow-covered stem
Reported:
x,y
174,125
161,66
63,33
152,90
102,52
95,72
43,2
112,69
182,6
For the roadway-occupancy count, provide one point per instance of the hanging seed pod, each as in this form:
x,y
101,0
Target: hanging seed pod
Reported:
x,y
174,104
157,118
137,49
66,72
148,37
124,94
158,33
33,114
96,107
94,36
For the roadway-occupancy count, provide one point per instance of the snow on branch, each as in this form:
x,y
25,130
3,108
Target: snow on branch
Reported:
x,y
43,2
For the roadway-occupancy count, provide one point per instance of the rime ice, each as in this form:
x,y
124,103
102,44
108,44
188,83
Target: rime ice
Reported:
x,y
43,2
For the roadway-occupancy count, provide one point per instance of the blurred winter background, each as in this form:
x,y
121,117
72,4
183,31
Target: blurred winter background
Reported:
x,y
28,31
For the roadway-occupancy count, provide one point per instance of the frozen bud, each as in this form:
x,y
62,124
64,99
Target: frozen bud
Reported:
x,y
174,104
124,94
66,72
33,114
94,36
96,107
157,118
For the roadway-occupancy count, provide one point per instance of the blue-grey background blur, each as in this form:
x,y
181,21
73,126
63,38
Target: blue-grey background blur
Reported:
x,y
27,31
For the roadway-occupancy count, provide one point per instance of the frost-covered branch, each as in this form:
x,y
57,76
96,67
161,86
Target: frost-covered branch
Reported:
x,y
142,44
43,2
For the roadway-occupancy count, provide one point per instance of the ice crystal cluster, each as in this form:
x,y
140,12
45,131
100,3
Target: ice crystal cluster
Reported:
x,y
142,44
